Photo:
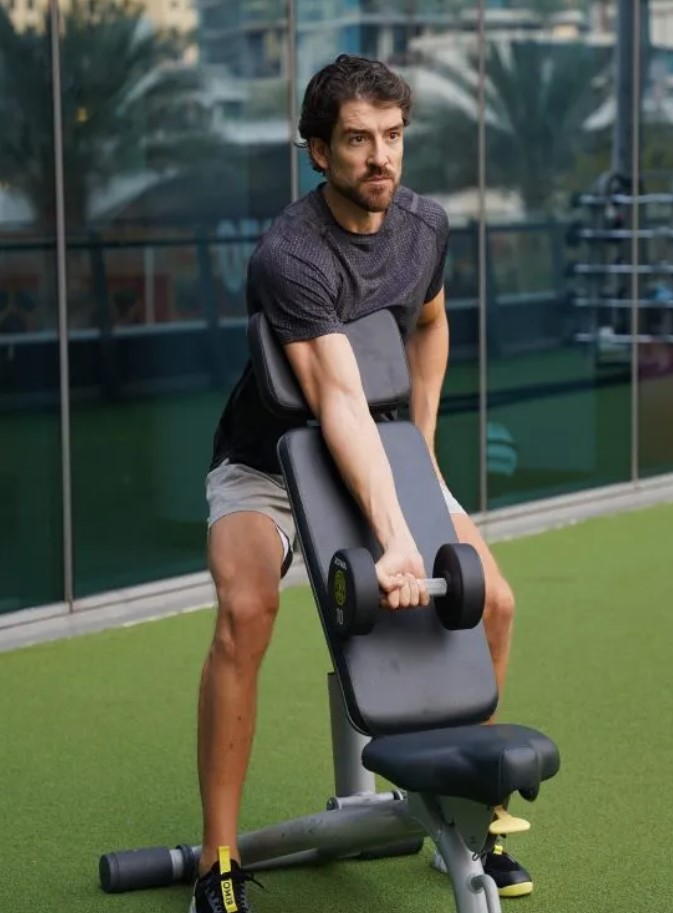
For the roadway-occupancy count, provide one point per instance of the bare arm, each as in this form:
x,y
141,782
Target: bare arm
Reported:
x,y
428,356
330,379
328,374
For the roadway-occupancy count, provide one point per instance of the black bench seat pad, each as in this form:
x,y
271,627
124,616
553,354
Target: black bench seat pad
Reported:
x,y
483,763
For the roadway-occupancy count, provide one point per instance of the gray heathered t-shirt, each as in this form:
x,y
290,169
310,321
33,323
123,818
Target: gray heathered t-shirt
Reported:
x,y
310,277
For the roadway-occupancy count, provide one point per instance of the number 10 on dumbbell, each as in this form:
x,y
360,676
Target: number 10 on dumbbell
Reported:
x,y
456,587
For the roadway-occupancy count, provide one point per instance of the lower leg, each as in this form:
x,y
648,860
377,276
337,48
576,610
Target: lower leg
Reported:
x,y
227,711
245,558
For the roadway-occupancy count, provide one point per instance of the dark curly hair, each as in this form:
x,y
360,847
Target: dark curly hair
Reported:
x,y
346,79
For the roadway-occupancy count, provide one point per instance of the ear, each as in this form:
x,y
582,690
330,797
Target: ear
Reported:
x,y
319,153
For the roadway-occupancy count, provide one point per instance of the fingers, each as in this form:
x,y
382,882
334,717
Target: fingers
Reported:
x,y
392,589
406,591
409,592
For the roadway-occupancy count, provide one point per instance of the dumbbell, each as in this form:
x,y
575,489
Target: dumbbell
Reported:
x,y
457,588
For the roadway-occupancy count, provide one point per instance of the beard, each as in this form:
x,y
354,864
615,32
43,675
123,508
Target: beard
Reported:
x,y
368,196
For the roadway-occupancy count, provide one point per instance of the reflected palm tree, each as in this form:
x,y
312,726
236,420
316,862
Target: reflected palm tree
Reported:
x,y
130,107
537,100
131,115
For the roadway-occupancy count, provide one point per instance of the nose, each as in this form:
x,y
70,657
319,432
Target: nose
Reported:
x,y
379,154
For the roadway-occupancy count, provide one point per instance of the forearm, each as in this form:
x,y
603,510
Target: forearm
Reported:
x,y
330,380
428,355
354,441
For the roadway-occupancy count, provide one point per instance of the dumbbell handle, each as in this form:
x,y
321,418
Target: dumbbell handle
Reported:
x,y
434,586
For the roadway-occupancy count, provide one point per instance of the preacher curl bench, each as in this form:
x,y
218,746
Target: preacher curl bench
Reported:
x,y
408,699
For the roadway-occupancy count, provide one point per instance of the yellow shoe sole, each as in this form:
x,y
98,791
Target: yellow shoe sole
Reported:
x,y
517,890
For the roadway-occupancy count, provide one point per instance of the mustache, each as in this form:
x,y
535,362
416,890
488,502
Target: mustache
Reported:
x,y
379,173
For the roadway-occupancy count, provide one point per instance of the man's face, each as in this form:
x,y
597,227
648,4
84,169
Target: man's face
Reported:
x,y
363,161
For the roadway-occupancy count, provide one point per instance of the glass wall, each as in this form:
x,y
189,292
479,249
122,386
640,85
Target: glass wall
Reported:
x,y
440,49
175,140
176,159
558,386
31,542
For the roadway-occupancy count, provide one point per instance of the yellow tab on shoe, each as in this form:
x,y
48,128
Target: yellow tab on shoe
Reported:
x,y
503,823
228,896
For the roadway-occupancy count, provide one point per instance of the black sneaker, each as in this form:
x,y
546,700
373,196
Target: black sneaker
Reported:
x,y
223,888
511,879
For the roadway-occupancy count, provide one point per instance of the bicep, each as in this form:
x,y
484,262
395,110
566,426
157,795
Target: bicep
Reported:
x,y
326,370
295,295
433,310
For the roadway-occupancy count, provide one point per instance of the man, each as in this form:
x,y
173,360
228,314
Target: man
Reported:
x,y
358,243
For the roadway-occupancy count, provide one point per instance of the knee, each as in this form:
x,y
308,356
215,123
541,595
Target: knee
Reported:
x,y
499,604
246,611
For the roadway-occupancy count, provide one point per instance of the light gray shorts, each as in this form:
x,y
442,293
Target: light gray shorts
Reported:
x,y
235,487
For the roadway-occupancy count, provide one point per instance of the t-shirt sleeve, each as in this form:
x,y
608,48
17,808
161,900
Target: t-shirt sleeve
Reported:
x,y
442,239
293,290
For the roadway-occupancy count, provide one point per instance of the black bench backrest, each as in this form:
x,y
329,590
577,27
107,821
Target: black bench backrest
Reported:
x,y
379,352
409,673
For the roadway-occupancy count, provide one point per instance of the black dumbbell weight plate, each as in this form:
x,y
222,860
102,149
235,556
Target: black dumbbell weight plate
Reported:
x,y
463,605
353,591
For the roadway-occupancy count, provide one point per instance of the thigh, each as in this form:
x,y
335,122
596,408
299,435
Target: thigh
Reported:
x,y
233,488
468,532
245,554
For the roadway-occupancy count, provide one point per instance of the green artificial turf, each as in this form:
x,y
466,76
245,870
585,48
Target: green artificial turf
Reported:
x,y
97,745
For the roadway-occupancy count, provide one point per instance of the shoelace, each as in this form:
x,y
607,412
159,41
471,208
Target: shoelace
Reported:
x,y
501,855
242,876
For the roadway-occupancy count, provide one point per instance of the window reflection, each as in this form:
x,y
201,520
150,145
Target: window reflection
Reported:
x,y
31,569
561,413
176,156
177,159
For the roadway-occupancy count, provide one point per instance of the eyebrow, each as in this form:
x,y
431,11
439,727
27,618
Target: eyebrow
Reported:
x,y
364,131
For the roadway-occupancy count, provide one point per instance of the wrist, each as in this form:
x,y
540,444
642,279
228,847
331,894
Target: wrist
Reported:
x,y
397,539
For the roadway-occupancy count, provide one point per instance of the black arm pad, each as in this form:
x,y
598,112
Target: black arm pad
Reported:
x,y
379,352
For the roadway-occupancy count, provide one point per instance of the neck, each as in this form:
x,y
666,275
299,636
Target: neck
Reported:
x,y
351,216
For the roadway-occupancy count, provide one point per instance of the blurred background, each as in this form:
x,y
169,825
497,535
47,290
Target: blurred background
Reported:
x,y
145,146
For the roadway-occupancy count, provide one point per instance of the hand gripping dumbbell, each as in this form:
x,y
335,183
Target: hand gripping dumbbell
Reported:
x,y
457,588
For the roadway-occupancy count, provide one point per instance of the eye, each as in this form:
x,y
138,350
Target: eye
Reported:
x,y
356,139
395,135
